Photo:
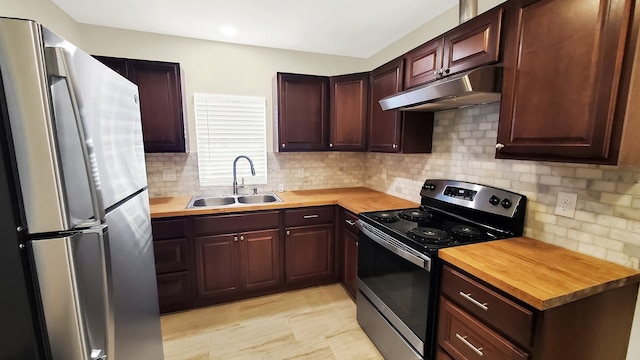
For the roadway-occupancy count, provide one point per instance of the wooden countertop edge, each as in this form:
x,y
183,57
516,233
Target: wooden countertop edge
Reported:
x,y
536,302
356,200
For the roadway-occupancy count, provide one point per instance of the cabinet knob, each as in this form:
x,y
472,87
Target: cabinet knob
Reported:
x,y
235,238
288,232
436,73
284,145
330,145
350,222
499,146
395,146
356,243
446,71
241,237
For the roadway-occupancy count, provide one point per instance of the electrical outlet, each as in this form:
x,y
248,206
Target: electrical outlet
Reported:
x,y
566,204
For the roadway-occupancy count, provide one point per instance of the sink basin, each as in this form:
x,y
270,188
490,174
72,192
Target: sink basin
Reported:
x,y
213,201
231,200
258,199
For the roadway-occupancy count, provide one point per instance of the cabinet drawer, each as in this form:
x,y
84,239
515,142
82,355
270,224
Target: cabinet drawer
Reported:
x,y
464,337
309,216
173,291
224,224
350,222
170,255
169,229
489,306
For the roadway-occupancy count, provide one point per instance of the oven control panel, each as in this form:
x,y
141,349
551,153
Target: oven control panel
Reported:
x,y
474,196
460,193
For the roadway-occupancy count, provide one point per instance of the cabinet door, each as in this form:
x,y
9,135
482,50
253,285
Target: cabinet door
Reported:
x,y
260,259
160,104
350,275
216,265
173,291
309,252
474,43
562,67
385,126
303,116
348,121
423,63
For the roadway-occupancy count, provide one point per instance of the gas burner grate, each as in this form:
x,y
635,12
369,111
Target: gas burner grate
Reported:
x,y
415,215
429,235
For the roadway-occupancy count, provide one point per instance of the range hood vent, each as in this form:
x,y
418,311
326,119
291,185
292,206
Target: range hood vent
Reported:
x,y
475,87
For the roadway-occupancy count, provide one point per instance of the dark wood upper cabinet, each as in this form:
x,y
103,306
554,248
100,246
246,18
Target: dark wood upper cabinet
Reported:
x,y
567,76
471,44
348,119
395,131
302,113
160,90
423,63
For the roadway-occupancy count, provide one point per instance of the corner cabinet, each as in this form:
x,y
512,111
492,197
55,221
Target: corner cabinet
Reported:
x,y
309,245
301,114
235,255
395,131
348,117
568,93
471,44
160,89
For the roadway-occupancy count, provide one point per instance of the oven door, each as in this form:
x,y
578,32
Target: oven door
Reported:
x,y
400,284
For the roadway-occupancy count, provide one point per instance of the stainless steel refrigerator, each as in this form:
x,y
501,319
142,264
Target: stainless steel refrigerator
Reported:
x,y
77,274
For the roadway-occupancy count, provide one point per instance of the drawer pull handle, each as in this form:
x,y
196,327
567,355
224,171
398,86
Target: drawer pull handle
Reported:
x,y
482,306
350,222
466,342
310,216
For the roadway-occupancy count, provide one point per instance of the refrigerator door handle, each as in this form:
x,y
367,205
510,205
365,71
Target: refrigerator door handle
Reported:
x,y
58,66
76,290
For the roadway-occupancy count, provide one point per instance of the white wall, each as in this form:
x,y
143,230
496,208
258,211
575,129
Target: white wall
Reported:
x,y
45,12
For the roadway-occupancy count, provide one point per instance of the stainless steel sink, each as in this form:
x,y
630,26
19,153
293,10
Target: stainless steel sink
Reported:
x,y
231,200
213,201
258,199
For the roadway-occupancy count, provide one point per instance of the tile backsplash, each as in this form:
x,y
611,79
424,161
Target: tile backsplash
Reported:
x,y
177,174
607,218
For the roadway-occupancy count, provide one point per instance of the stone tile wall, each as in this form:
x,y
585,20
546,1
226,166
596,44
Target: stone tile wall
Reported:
x,y
177,174
607,220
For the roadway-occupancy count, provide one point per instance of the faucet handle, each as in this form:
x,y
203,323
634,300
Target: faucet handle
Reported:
x,y
255,190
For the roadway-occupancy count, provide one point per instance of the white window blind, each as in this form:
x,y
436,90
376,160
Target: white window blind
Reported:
x,y
228,126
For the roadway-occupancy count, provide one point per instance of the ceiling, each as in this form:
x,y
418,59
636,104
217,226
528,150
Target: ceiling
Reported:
x,y
357,28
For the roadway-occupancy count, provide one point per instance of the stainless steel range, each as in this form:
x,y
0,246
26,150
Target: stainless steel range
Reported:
x,y
398,266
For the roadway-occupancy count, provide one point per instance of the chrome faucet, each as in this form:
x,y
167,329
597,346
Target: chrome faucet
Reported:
x,y
235,180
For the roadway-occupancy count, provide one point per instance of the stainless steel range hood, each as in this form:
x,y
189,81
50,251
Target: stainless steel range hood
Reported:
x,y
475,87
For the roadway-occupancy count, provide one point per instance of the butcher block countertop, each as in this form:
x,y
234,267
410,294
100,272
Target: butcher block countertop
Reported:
x,y
355,200
540,274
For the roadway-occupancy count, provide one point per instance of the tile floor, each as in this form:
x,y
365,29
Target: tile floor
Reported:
x,y
314,323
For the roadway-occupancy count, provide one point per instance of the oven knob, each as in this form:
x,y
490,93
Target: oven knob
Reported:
x,y
494,200
506,203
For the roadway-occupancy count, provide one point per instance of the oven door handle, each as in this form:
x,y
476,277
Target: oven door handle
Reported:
x,y
417,259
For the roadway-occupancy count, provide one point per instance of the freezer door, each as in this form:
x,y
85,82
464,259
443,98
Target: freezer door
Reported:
x,y
137,322
108,104
72,274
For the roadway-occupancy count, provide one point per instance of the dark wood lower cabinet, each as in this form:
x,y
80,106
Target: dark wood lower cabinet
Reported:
x,y
229,264
349,233
173,291
309,253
